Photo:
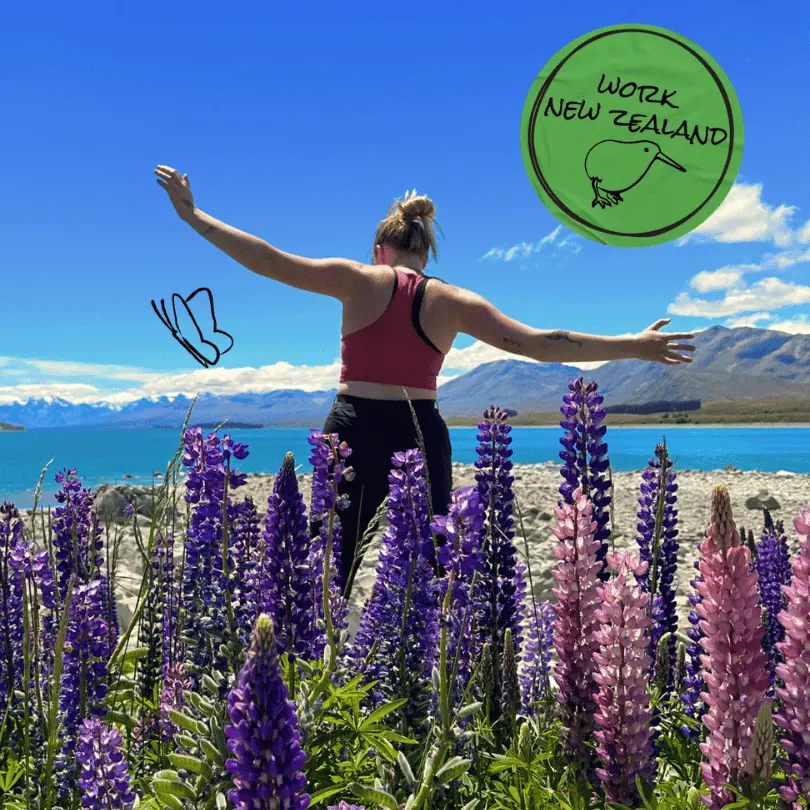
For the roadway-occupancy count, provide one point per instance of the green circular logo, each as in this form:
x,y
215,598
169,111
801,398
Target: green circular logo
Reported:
x,y
632,135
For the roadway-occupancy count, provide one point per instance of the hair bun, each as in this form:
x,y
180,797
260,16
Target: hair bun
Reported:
x,y
416,207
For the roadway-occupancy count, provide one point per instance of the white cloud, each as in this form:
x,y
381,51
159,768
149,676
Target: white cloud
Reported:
x,y
750,320
744,217
525,250
731,275
713,280
766,294
795,326
804,233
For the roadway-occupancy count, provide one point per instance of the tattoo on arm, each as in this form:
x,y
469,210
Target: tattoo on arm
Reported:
x,y
562,336
513,344
188,203
209,229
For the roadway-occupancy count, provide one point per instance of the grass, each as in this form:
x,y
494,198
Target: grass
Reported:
x,y
738,412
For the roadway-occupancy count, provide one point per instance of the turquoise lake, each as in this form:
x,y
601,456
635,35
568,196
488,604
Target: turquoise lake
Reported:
x,y
103,456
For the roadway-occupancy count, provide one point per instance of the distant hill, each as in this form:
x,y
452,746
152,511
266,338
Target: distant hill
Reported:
x,y
729,365
7,426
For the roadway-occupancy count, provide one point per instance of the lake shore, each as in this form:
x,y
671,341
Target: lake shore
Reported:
x,y
537,491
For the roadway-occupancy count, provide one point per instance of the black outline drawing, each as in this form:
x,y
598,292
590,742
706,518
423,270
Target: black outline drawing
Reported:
x,y
604,195
174,328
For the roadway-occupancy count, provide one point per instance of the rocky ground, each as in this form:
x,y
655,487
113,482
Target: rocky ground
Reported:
x,y
536,487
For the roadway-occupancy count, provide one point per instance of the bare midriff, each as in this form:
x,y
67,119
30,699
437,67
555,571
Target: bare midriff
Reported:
x,y
368,390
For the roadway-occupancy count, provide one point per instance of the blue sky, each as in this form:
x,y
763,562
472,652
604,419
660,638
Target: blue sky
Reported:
x,y
300,125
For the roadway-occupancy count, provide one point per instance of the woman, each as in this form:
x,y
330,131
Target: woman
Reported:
x,y
397,328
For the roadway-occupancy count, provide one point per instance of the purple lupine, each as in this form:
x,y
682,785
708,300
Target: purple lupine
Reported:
x,y
329,469
286,582
344,806
735,664
461,558
584,457
263,734
110,606
402,614
77,541
539,649
624,731
103,778
204,582
243,539
772,574
173,697
659,575
11,605
575,629
794,672
693,686
497,595
84,669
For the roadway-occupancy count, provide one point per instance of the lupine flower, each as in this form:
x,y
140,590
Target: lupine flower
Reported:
x,y
461,558
243,539
263,732
623,716
287,585
510,685
172,697
77,534
584,457
773,571
84,673
497,597
735,663
760,752
11,604
575,629
793,717
401,616
103,780
539,650
693,686
344,806
329,469
660,572
204,582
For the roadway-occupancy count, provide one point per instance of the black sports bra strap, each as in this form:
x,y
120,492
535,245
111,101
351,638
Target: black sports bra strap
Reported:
x,y
417,306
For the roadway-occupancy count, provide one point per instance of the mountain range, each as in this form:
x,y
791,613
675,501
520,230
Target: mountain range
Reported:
x,y
729,364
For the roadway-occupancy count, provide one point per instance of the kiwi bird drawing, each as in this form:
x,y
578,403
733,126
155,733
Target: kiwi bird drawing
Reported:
x,y
617,166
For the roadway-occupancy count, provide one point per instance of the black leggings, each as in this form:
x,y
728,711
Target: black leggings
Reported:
x,y
375,429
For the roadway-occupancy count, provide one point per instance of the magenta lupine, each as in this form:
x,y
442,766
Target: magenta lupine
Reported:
x,y
624,730
584,456
344,806
461,558
400,621
793,717
77,541
103,778
734,662
576,575
263,734
538,652
286,582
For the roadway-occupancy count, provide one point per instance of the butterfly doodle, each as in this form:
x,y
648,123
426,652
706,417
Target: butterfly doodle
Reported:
x,y
187,332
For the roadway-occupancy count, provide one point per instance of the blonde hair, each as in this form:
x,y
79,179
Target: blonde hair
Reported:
x,y
409,226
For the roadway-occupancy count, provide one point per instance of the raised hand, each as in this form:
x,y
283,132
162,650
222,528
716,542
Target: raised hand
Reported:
x,y
663,347
179,190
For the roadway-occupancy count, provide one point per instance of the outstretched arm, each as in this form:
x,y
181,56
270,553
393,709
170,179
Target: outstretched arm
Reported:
x,y
480,319
338,278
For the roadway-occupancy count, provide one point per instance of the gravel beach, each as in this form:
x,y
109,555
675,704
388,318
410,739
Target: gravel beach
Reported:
x,y
537,491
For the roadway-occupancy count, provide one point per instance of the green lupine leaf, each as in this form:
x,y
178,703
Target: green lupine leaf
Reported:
x,y
373,795
324,794
382,711
452,769
210,751
184,721
164,787
122,719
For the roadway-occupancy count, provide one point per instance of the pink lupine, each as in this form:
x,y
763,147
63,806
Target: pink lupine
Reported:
x,y
735,664
577,595
623,717
794,672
